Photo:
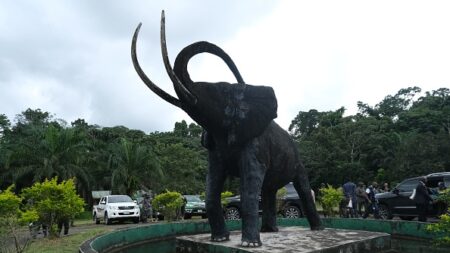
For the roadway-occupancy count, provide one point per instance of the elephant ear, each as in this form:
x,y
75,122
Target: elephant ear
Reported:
x,y
249,111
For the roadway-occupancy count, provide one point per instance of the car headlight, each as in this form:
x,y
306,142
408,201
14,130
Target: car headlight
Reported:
x,y
113,207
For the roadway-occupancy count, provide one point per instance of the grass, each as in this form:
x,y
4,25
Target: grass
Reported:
x,y
69,243
64,244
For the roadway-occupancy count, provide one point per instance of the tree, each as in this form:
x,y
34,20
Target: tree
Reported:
x,y
60,153
5,124
133,167
11,220
181,129
184,169
53,201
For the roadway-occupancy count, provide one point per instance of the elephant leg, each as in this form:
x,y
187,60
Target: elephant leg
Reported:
x,y
269,207
252,176
301,185
214,185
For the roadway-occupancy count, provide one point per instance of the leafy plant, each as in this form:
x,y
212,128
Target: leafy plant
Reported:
x,y
53,202
169,204
281,193
10,219
330,199
224,198
443,226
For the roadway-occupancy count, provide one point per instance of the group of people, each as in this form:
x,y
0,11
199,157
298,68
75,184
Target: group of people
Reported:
x,y
359,197
147,209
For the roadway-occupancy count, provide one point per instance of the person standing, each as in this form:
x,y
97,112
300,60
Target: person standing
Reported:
x,y
349,189
422,199
147,212
385,187
63,221
373,207
361,198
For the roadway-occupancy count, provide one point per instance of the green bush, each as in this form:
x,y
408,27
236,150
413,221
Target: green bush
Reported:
x,y
224,198
53,202
443,226
169,204
329,199
281,193
12,218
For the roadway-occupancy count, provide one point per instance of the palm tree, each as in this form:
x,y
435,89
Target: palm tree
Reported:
x,y
133,167
61,153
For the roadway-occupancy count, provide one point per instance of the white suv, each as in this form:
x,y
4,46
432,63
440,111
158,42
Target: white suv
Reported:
x,y
116,207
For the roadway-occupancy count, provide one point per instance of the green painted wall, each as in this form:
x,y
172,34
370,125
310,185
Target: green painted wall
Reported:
x,y
144,233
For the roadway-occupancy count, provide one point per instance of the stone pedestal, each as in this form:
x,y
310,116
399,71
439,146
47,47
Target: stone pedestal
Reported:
x,y
292,239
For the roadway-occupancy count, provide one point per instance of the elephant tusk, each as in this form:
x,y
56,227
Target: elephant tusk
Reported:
x,y
158,91
178,86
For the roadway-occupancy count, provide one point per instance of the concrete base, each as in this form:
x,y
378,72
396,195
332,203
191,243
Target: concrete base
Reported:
x,y
292,239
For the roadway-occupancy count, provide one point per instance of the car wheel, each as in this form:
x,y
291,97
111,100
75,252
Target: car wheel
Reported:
x,y
187,216
407,217
291,212
107,219
136,220
384,212
97,221
232,213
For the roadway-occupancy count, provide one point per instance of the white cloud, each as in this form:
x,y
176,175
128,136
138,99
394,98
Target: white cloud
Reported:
x,y
72,58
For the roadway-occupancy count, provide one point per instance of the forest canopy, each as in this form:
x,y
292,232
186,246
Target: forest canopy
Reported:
x,y
406,134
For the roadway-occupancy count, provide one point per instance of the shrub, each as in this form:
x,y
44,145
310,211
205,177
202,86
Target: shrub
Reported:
x,y
169,204
224,198
53,202
11,218
330,199
443,226
281,194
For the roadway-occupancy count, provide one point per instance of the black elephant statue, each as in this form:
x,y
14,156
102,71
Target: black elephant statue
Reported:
x,y
242,139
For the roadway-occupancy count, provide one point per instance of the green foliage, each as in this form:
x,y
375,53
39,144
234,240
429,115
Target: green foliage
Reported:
x,y
169,204
184,167
10,219
224,197
9,202
330,198
281,193
442,228
444,196
132,165
401,136
53,201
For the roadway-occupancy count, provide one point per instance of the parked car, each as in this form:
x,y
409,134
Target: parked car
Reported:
x,y
115,207
397,202
290,205
194,206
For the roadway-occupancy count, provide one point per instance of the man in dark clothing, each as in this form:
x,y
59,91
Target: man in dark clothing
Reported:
x,y
422,199
361,198
373,207
349,189
63,222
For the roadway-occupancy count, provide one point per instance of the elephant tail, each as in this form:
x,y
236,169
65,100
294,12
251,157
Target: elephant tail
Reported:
x,y
303,188
181,62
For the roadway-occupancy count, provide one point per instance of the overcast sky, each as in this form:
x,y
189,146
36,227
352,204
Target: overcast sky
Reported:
x,y
72,58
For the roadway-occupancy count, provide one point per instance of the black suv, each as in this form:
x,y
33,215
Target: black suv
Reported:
x,y
290,207
398,203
